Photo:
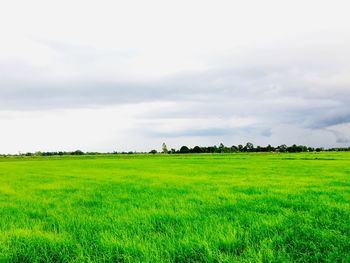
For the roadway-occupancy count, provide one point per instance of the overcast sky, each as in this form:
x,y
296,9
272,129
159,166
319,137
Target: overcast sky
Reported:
x,y
129,75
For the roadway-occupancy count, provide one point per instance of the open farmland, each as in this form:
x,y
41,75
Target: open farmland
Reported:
x,y
176,208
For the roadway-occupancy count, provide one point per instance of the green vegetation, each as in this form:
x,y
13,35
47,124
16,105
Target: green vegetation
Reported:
x,y
245,207
249,147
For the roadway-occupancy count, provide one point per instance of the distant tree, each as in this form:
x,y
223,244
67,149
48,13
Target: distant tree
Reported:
x,y
249,147
212,149
269,148
184,149
164,148
234,148
310,149
153,152
222,148
303,148
296,148
292,149
282,148
172,150
196,149
77,152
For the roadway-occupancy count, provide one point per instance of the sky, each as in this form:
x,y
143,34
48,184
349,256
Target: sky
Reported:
x,y
129,75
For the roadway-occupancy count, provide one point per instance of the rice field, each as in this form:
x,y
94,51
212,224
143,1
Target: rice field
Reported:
x,y
245,207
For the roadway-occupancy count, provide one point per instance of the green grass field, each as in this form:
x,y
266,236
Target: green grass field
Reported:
x,y
176,208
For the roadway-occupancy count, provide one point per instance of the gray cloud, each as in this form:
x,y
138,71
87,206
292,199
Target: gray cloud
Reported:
x,y
216,132
307,90
340,136
266,132
330,117
343,140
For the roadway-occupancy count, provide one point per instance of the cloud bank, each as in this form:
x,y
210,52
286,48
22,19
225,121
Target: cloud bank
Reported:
x,y
222,87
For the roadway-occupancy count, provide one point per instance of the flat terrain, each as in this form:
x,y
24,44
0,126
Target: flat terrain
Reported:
x,y
176,208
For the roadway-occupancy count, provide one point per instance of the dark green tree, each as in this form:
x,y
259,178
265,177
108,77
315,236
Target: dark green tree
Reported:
x,y
249,147
196,149
184,149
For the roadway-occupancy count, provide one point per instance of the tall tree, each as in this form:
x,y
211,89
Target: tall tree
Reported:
x,y
164,148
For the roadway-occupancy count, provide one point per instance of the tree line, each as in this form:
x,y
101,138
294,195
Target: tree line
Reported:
x,y
248,147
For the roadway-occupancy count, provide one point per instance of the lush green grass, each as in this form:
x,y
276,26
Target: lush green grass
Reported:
x,y
205,208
